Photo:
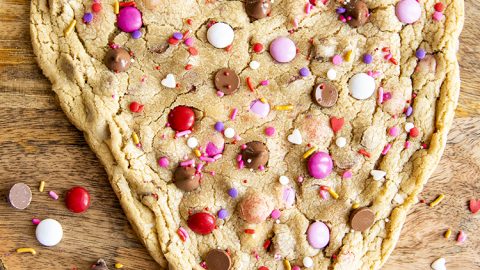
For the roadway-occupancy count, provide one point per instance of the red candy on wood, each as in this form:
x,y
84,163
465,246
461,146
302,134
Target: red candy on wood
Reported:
x,y
77,200
201,223
181,118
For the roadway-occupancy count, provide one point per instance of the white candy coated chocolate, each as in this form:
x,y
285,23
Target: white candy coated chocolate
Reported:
x,y
49,232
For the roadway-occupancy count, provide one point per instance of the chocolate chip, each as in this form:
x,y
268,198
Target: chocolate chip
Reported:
x,y
99,265
325,95
258,9
358,11
255,155
361,219
186,178
227,81
117,60
218,259
20,196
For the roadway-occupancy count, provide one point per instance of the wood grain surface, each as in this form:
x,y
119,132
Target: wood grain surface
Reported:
x,y
38,143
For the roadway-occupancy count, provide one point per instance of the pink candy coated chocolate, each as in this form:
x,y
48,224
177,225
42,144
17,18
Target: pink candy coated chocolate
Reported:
x,y
318,235
283,49
129,19
408,11
320,165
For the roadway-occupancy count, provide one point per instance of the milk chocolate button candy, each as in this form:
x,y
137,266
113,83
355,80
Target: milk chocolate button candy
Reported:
x,y
361,219
255,155
258,9
227,81
325,95
20,196
218,259
117,60
186,178
358,11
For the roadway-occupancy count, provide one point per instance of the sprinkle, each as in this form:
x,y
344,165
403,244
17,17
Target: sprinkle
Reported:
x,y
307,262
182,133
207,159
229,132
367,58
26,250
222,214
233,114
116,7
267,244
333,193
35,221
197,152
118,265
217,156
233,192
270,131
287,265
309,152
219,126
186,163
331,74
348,56
189,42
276,214
461,237
337,60
53,195
192,142
347,175
407,144
393,131
258,47
437,200
249,231
42,186
135,138
183,234
439,7
283,107
363,152
265,82
300,179
304,72
438,16
136,34
414,132
341,142
254,65
199,167
355,205
250,84
69,28
283,180
177,35
386,149
87,17
96,7
163,162
447,234
409,111
420,54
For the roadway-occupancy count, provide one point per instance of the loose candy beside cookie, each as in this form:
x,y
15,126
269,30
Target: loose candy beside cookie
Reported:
x,y
258,134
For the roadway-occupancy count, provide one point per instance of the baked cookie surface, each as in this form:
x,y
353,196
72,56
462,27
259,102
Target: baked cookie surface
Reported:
x,y
247,135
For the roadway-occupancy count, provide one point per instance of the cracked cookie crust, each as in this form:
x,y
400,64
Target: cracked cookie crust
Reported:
x,y
255,152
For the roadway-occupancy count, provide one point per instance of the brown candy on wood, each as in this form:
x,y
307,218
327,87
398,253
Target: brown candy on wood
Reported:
x,y
358,11
218,259
258,9
118,60
186,178
362,218
227,81
255,155
325,95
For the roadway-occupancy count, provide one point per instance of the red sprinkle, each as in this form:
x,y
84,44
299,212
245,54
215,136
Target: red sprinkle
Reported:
x,y
414,132
136,107
189,21
393,61
96,7
188,67
263,268
173,41
258,47
364,152
439,7
267,244
193,51
229,48
127,4
250,231
250,84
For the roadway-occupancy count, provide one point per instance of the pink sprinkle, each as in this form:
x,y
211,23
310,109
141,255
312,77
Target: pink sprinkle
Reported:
x,y
212,173
239,157
337,60
300,179
35,221
237,137
308,8
217,156
163,162
394,131
189,42
388,56
461,237
182,133
407,144
186,163
167,124
241,165
387,96
386,149
380,95
275,214
207,159
270,131
203,265
295,22
233,114
243,146
347,175
53,195
342,18
265,82
199,167
323,194
183,232
296,267
220,93
261,168
438,16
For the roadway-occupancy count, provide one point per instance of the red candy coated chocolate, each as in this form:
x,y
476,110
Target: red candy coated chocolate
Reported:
x,y
181,118
77,200
201,223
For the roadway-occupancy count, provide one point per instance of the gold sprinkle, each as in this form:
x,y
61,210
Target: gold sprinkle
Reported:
x,y
118,265
197,152
42,186
26,250
287,265
283,107
348,56
135,138
70,27
263,100
116,7
309,152
448,233
355,205
333,193
437,200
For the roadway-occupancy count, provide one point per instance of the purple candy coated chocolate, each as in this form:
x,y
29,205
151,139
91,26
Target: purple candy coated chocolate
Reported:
x,y
129,19
320,165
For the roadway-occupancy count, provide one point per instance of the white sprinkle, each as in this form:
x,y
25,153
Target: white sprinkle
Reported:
x,y
307,262
254,65
331,74
341,142
277,221
439,264
378,174
229,132
284,180
192,142
398,198
409,126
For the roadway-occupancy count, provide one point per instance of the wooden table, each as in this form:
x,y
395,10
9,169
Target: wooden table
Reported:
x,y
38,143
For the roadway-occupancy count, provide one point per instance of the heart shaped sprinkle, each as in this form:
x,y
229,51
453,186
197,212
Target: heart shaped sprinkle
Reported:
x,y
295,137
336,123
474,206
378,174
439,264
169,81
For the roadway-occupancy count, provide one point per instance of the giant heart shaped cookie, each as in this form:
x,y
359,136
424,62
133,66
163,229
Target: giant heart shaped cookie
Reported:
x,y
258,135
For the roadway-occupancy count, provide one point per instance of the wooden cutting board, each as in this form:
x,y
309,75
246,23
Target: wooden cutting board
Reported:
x,y
38,143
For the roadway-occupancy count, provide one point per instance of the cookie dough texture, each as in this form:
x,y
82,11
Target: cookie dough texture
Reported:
x,y
96,101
